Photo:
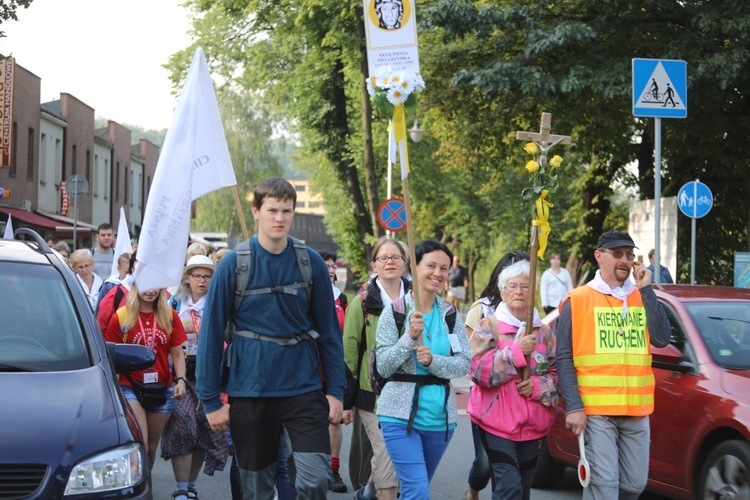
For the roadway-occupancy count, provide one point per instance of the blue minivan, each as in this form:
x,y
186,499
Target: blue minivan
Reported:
x,y
65,429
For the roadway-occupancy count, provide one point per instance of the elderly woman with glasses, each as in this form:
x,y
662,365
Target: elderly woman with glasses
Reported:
x,y
512,414
188,440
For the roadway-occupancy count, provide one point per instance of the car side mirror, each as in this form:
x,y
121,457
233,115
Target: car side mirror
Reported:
x,y
128,358
668,357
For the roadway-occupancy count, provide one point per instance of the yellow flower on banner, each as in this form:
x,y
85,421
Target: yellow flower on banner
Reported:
x,y
556,161
531,148
532,166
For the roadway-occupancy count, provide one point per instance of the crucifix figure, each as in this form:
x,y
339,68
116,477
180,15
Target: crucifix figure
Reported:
x,y
544,141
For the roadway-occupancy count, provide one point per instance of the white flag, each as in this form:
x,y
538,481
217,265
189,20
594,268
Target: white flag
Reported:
x,y
194,161
8,229
123,241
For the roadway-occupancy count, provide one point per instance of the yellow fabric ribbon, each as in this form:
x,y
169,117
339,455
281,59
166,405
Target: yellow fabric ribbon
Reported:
x,y
542,212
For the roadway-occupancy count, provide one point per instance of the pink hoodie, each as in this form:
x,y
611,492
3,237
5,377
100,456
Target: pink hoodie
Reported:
x,y
497,362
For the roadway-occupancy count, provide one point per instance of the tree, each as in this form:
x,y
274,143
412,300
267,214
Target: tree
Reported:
x,y
304,59
248,130
8,9
573,59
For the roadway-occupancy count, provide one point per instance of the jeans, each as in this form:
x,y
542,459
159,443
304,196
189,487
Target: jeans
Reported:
x,y
415,457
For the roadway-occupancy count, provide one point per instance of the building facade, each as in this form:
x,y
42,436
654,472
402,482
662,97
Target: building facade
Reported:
x,y
52,141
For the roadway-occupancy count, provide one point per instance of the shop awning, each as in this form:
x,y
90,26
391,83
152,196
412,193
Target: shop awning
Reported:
x,y
33,219
80,225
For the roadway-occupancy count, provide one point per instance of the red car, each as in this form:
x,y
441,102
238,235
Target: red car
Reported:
x,y
700,428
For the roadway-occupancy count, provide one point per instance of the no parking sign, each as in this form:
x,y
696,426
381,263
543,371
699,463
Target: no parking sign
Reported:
x,y
392,215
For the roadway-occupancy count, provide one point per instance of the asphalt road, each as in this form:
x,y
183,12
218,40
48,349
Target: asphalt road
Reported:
x,y
449,482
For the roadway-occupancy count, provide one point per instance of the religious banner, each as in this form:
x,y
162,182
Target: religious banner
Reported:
x,y
394,81
391,31
7,68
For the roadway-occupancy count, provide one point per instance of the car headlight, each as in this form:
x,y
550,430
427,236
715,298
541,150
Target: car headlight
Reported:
x,y
112,470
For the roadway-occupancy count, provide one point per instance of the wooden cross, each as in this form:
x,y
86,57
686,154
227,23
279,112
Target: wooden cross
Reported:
x,y
544,141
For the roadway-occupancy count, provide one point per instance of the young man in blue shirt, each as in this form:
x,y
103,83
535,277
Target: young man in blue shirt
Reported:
x,y
271,371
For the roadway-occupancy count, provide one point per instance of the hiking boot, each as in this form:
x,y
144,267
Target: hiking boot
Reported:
x,y
338,486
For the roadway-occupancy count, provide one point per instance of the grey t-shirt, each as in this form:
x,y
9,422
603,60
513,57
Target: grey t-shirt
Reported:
x,y
103,262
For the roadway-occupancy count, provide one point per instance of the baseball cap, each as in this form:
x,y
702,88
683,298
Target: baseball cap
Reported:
x,y
614,239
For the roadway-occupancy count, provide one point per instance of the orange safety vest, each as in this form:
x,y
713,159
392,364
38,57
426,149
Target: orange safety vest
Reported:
x,y
612,355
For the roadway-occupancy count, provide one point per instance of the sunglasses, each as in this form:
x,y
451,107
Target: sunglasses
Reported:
x,y
617,254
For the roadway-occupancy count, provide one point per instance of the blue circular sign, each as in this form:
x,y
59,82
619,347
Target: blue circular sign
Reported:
x,y
392,215
2,193
695,199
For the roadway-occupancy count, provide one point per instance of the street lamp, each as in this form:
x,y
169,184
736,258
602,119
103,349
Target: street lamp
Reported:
x,y
415,132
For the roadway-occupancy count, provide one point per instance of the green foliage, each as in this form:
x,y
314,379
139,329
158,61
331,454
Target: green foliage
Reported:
x,y
8,9
248,130
573,59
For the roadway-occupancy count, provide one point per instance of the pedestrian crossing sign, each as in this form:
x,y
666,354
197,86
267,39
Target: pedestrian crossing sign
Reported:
x,y
659,88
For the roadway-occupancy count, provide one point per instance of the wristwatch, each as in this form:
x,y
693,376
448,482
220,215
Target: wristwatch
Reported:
x,y
182,378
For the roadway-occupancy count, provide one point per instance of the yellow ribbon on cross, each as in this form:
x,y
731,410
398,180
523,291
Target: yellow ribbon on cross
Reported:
x,y
542,220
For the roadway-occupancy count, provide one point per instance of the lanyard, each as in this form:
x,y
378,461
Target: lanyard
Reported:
x,y
197,320
149,338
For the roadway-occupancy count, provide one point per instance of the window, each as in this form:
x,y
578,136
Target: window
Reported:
x,y
13,150
88,165
313,204
300,204
74,160
125,186
43,159
58,161
117,181
301,188
30,155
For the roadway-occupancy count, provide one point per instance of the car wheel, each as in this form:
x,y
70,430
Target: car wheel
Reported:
x,y
726,472
548,472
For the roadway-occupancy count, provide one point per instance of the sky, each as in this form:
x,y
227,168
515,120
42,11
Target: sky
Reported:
x,y
107,53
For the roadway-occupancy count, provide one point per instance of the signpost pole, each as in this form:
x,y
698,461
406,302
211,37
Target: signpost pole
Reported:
x,y
657,199
692,251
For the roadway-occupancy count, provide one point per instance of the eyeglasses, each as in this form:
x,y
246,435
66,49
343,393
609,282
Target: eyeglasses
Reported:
x,y
332,266
201,277
385,258
617,254
512,287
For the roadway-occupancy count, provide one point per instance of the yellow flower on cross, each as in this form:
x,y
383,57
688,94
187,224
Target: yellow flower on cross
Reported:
x,y
532,166
531,148
556,161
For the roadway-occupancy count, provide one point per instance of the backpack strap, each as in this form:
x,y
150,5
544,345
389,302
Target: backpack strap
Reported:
x,y
243,272
303,263
119,294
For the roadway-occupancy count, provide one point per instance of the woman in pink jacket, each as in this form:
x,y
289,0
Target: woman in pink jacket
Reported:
x,y
513,414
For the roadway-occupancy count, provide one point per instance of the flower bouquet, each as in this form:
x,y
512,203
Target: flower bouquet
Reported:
x,y
390,88
543,182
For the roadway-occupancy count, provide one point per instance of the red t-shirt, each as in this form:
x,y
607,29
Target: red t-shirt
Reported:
x,y
155,337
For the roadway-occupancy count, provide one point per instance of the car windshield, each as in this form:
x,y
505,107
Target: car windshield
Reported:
x,y
725,328
39,327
